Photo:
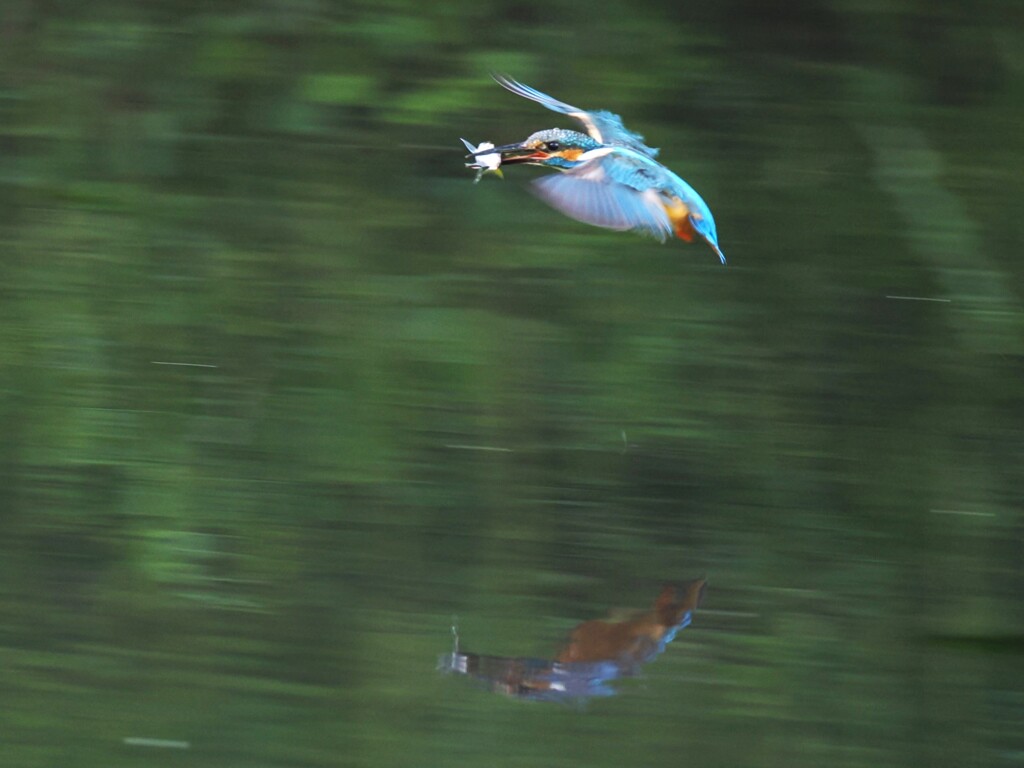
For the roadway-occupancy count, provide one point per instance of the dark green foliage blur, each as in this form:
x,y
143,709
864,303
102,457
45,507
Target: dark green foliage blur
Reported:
x,y
282,390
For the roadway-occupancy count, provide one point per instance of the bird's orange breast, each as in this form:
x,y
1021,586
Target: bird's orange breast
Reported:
x,y
632,640
604,640
679,215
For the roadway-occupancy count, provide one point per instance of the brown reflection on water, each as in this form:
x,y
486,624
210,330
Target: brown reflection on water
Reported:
x,y
595,654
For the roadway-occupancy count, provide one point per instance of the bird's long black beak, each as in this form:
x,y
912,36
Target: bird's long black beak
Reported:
x,y
512,153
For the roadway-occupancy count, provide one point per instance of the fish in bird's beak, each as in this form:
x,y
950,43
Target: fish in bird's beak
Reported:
x,y
485,159
519,153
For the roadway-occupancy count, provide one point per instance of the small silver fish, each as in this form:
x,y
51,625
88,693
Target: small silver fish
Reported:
x,y
490,163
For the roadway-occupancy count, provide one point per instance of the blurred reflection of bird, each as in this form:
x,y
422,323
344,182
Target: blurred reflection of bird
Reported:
x,y
596,653
610,177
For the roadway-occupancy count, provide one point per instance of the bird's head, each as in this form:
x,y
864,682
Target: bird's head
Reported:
x,y
554,147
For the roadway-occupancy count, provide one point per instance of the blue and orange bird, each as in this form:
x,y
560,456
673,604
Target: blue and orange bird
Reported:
x,y
609,177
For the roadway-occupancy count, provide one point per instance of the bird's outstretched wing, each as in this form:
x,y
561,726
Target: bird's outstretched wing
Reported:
x,y
614,190
602,126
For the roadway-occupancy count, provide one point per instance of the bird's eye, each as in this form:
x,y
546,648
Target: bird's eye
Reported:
x,y
552,146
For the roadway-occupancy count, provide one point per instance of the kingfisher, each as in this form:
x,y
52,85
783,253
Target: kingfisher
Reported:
x,y
608,177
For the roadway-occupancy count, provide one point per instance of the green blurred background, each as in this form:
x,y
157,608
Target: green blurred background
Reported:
x,y
282,391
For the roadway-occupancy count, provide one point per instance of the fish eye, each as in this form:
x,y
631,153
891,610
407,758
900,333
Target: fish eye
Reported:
x,y
553,146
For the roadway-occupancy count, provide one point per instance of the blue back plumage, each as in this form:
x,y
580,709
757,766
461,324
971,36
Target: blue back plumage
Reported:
x,y
615,132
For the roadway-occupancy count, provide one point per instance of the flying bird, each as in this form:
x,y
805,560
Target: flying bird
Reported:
x,y
609,178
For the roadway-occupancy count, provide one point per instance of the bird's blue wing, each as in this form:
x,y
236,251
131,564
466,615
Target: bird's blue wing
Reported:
x,y
613,191
602,126
541,98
